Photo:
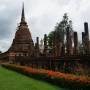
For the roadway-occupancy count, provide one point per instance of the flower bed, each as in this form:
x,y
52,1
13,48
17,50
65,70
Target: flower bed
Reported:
x,y
65,80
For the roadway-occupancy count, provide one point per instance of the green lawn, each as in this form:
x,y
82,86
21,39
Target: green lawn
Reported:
x,y
10,80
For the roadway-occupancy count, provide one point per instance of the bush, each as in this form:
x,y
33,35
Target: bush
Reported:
x,y
61,79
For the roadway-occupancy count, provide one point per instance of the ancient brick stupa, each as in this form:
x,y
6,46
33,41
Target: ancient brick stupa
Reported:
x,y
22,44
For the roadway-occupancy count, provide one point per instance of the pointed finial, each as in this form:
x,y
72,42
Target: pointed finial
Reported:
x,y
23,15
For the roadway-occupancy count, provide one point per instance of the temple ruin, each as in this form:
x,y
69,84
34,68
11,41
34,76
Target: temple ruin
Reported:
x,y
62,56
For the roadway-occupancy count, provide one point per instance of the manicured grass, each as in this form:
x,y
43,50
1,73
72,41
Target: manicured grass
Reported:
x,y
10,80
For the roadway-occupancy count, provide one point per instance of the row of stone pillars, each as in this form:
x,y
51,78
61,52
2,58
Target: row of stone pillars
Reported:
x,y
37,47
85,41
70,47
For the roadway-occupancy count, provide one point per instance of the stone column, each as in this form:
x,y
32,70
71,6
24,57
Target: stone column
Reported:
x,y
59,48
86,30
37,39
63,49
45,45
86,38
83,42
75,43
83,35
68,42
37,51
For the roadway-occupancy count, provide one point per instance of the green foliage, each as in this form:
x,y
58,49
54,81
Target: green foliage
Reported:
x,y
0,52
60,30
50,38
3,56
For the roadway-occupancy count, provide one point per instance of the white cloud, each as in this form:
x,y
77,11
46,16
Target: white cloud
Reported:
x,y
41,15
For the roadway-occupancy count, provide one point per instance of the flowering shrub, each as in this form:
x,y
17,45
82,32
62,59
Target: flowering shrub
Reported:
x,y
68,80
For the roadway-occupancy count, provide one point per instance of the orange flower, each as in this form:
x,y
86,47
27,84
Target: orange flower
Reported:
x,y
50,73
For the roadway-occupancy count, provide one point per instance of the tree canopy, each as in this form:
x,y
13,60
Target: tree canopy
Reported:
x,y
60,30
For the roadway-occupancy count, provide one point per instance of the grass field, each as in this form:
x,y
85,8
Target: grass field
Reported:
x,y
10,80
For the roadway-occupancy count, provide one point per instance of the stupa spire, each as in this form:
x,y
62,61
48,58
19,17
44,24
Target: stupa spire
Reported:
x,y
23,14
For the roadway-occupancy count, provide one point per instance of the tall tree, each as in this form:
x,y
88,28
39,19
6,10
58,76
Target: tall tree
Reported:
x,y
51,38
60,30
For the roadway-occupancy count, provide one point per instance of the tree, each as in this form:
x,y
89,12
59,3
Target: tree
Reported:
x,y
0,52
60,30
51,38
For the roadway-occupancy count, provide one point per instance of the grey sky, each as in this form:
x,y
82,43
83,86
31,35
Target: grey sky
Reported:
x,y
41,15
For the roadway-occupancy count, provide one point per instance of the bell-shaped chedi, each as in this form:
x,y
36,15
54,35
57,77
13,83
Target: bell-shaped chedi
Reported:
x,y
22,44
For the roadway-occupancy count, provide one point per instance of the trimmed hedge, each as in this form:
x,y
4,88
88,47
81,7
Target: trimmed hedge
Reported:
x,y
61,79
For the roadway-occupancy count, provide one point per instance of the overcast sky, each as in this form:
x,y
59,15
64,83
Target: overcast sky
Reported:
x,y
41,15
